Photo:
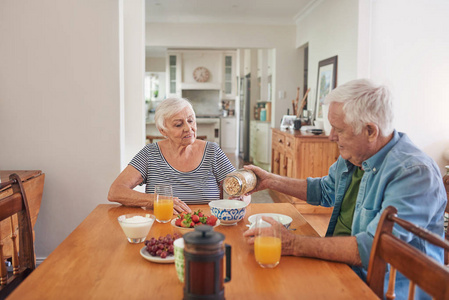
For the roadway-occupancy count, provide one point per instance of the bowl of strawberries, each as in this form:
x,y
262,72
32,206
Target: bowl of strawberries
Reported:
x,y
186,222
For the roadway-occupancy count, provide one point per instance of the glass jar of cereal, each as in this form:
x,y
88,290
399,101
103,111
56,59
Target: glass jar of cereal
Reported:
x,y
239,182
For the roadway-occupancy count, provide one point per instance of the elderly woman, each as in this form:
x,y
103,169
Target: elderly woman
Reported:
x,y
194,168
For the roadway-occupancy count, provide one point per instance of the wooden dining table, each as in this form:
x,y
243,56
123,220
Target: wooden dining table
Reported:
x,y
97,262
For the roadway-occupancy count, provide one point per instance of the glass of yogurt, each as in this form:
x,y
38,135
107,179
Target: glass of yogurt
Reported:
x,y
136,226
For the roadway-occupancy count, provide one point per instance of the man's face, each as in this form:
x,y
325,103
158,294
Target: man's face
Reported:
x,y
354,148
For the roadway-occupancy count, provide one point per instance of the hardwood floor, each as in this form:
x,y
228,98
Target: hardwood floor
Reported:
x,y
317,216
258,197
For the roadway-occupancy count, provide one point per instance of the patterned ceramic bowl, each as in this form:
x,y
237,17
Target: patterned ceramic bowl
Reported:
x,y
229,212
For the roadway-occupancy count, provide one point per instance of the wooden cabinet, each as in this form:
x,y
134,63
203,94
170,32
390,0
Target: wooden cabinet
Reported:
x,y
298,154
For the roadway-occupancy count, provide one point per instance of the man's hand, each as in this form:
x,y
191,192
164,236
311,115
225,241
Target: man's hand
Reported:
x,y
289,239
262,178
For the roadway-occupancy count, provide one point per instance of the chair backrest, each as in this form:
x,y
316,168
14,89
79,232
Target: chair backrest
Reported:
x,y
446,185
14,209
420,269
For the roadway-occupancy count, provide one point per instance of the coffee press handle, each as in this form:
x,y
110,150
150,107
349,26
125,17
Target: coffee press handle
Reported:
x,y
228,263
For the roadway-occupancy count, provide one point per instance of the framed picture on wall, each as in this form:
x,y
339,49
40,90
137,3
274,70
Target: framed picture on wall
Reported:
x,y
326,82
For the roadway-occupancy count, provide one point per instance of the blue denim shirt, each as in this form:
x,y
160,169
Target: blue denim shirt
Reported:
x,y
400,175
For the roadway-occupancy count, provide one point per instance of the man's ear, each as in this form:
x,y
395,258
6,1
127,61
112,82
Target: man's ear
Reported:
x,y
372,131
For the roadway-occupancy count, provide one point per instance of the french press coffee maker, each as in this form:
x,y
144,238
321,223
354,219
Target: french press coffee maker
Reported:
x,y
203,253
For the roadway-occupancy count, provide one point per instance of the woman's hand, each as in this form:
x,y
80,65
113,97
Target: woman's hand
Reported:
x,y
179,206
289,239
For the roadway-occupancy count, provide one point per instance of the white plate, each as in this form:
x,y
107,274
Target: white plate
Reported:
x,y
285,220
168,260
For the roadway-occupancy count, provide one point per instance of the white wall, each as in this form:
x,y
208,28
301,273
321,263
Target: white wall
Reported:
x,y
401,43
330,28
409,52
60,98
238,36
133,43
155,64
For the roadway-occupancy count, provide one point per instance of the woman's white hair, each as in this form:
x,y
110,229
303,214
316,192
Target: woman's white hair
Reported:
x,y
168,108
364,102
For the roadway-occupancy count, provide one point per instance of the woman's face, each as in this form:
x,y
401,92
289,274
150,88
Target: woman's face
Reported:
x,y
181,127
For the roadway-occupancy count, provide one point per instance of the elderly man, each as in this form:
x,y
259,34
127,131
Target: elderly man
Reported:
x,y
377,167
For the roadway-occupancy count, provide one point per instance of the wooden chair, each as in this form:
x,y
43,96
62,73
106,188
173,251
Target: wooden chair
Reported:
x,y
14,208
420,269
152,138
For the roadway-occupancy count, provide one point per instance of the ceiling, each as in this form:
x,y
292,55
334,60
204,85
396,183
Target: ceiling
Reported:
x,y
269,12
280,12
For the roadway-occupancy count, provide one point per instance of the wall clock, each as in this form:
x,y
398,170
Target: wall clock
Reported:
x,y
201,74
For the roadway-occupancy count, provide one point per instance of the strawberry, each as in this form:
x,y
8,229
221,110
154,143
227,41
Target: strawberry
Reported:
x,y
195,218
190,220
211,220
185,223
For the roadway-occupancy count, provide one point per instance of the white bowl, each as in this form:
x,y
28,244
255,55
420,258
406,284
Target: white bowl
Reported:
x,y
285,220
136,226
229,212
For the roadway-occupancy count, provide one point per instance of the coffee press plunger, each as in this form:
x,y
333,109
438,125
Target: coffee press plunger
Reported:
x,y
203,253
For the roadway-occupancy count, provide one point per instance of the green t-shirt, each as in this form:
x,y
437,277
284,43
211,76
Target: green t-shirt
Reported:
x,y
344,221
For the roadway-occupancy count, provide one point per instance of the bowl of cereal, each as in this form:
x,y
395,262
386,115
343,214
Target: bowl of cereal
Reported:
x,y
229,212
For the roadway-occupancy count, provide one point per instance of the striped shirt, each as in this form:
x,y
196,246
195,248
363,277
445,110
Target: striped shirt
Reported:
x,y
198,186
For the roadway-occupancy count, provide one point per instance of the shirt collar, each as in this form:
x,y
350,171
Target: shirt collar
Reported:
x,y
373,163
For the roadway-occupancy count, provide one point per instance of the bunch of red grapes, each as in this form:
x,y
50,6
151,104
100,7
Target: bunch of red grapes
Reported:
x,y
163,246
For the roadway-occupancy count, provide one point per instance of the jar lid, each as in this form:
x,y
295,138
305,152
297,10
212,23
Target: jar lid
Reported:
x,y
203,235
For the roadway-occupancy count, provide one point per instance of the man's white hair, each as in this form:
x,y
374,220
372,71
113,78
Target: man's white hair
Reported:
x,y
364,102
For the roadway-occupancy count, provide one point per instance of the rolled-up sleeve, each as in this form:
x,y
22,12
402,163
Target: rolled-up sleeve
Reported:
x,y
364,244
314,191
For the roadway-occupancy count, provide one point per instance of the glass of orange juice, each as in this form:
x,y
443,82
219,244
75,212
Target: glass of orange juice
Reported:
x,y
267,243
163,203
